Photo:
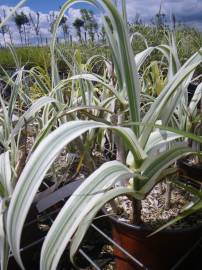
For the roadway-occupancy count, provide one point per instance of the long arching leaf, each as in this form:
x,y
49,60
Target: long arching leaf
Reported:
x,y
6,190
82,201
39,163
36,106
122,52
153,166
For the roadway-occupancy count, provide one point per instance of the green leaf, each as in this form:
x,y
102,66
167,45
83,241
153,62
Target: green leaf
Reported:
x,y
88,219
76,210
36,106
153,166
142,56
159,138
14,55
122,53
137,34
89,77
180,132
169,93
6,129
16,87
4,247
195,99
5,174
39,163
5,190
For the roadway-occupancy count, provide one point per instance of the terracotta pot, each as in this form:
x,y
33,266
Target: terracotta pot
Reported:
x,y
158,252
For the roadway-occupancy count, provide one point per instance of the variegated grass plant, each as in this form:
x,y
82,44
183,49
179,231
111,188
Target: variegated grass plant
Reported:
x,y
140,139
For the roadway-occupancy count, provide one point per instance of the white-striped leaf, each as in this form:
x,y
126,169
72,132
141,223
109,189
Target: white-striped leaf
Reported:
x,y
153,166
36,106
142,56
75,210
5,174
166,95
6,191
39,163
195,99
4,247
127,74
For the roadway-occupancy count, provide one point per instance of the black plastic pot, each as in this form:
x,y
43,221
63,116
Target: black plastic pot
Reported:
x,y
191,171
158,252
32,235
30,247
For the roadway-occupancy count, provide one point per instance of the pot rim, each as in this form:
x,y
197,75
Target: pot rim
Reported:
x,y
194,166
145,228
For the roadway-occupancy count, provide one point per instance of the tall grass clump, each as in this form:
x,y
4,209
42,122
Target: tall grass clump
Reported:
x,y
79,108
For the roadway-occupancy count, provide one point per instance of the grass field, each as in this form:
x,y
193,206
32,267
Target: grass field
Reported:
x,y
188,41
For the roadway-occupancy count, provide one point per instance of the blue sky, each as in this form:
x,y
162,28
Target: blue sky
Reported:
x,y
187,11
41,5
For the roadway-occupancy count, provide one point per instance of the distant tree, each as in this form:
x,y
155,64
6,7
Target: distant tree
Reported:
x,y
36,26
103,32
78,24
160,17
18,22
137,20
160,20
52,17
51,20
21,20
84,15
8,28
174,21
10,35
90,24
3,31
65,28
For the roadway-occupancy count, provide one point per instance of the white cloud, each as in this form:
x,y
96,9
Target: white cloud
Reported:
x,y
186,11
44,24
